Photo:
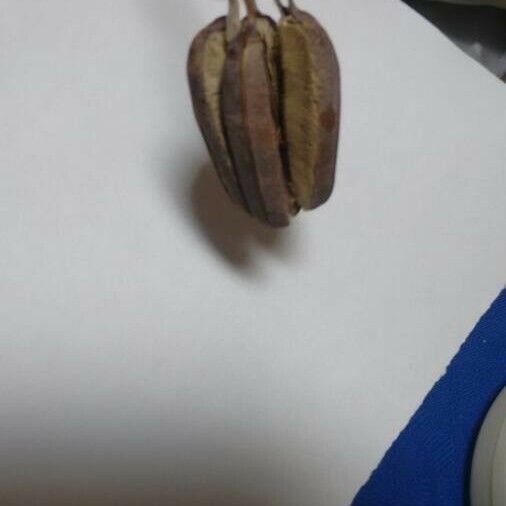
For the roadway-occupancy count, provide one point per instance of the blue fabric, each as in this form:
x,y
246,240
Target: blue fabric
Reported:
x,y
429,464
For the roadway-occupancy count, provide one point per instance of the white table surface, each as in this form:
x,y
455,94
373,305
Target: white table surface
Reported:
x,y
157,347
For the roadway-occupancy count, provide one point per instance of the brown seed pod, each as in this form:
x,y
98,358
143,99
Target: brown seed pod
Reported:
x,y
249,105
206,63
267,101
310,105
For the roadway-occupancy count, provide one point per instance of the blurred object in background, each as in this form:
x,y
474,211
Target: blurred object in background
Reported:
x,y
495,3
478,27
488,475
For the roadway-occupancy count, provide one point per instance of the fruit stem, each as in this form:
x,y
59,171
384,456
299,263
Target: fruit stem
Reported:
x,y
251,7
286,9
233,19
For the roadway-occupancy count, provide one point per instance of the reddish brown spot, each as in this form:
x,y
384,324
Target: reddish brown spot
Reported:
x,y
328,119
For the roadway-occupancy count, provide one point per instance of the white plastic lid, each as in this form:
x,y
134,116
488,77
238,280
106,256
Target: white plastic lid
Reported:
x,y
488,475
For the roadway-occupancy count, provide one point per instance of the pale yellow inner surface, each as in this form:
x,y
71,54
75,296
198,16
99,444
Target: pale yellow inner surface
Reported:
x,y
214,62
300,108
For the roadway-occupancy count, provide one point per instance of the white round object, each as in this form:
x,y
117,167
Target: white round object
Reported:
x,y
488,475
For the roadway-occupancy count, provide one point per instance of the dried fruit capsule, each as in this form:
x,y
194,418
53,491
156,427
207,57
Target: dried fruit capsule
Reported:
x,y
310,105
249,102
206,62
267,100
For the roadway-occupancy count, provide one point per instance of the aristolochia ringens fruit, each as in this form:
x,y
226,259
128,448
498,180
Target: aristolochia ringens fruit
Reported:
x,y
267,101
249,105
310,104
206,63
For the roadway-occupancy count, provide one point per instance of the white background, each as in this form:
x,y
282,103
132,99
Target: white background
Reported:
x,y
156,346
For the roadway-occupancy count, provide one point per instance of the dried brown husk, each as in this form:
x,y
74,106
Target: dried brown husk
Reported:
x,y
310,106
250,96
267,99
206,62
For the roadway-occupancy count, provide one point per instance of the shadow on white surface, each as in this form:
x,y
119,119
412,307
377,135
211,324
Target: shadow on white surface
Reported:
x,y
208,471
478,30
229,230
